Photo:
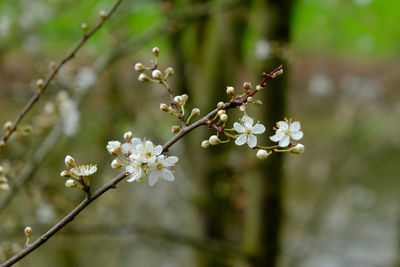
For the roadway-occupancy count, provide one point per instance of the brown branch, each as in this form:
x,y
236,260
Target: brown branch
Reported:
x,y
54,72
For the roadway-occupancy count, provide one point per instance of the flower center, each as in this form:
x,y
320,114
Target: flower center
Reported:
x,y
160,166
148,155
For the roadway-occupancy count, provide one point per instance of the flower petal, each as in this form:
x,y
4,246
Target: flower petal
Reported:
x,y
153,177
127,148
296,135
252,141
258,129
278,136
294,126
158,150
171,160
284,141
282,125
248,122
238,127
167,175
241,139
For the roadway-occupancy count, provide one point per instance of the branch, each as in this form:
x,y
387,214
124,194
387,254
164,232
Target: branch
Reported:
x,y
54,72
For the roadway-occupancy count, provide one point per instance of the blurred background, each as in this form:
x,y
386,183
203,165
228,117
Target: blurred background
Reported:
x,y
335,205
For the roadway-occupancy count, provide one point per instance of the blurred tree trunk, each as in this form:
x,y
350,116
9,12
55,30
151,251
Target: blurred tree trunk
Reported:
x,y
263,244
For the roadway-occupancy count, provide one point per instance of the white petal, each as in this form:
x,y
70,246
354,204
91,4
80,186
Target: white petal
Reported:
x,y
131,179
283,125
126,147
278,136
252,141
171,160
158,150
258,129
167,175
297,135
241,139
248,122
238,127
294,126
285,141
153,177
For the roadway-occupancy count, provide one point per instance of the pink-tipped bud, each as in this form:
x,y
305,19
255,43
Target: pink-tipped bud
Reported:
x,y
214,140
70,183
230,90
139,67
8,125
175,129
65,174
185,97
155,51
297,149
143,77
169,72
195,112
224,117
157,75
28,231
205,144
220,105
263,154
69,161
115,164
128,136
178,100
164,107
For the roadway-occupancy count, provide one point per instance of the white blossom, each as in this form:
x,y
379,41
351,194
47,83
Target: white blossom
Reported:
x,y
114,147
247,131
286,131
84,170
160,169
147,152
130,147
135,171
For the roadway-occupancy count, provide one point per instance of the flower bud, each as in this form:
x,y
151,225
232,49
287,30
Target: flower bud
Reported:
x,y
224,117
70,183
155,51
247,86
84,27
175,129
242,108
259,87
143,77
69,161
115,164
4,187
169,71
185,97
114,147
178,100
250,99
195,112
258,103
8,125
164,107
139,67
28,231
263,154
230,90
220,105
128,136
65,174
297,149
205,144
220,112
157,75
39,83
102,14
214,140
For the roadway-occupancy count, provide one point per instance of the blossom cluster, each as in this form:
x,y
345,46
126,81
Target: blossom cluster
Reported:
x,y
142,159
78,175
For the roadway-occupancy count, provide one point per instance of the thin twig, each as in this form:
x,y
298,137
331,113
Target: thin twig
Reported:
x,y
54,72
